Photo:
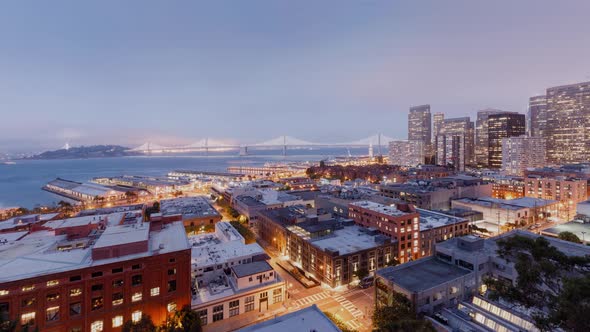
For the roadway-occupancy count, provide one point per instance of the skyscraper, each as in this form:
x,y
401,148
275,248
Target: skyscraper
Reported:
x,y
568,123
419,124
481,136
437,119
500,126
406,152
537,116
455,143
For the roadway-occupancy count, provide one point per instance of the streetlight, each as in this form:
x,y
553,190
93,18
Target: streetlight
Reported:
x,y
583,237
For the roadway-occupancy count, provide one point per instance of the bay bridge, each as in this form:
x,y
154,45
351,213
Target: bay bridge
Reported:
x,y
281,142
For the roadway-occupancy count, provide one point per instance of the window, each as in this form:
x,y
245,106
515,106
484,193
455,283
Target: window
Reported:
x,y
249,303
171,286
136,280
75,291
52,314
171,307
76,278
75,308
218,313
136,267
234,308
117,299
52,283
28,288
3,292
172,260
52,297
136,316
264,295
96,287
28,302
96,326
117,283
117,270
97,303
27,318
203,316
117,321
277,295
136,297
171,272
155,291
96,274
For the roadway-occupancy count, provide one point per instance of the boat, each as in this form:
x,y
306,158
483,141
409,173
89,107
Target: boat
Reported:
x,y
8,163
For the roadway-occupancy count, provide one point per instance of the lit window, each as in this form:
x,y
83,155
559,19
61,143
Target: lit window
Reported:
x,y
136,297
3,292
52,314
155,291
28,288
75,291
136,316
52,283
117,321
96,326
171,307
27,318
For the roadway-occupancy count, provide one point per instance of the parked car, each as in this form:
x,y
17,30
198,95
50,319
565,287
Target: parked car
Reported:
x,y
367,282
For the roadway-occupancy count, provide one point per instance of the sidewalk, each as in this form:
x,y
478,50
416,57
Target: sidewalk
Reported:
x,y
245,319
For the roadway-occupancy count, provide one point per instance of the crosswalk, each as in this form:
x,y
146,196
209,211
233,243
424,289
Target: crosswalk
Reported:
x,y
354,324
312,299
346,304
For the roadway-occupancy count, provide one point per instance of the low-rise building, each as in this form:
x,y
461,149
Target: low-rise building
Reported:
x,y
436,227
568,191
84,192
580,228
154,185
399,222
437,194
193,211
306,319
58,279
26,222
8,212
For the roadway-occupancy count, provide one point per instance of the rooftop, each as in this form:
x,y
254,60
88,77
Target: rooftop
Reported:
x,y
349,239
430,219
508,204
188,207
422,274
244,270
42,252
307,319
28,219
390,210
582,230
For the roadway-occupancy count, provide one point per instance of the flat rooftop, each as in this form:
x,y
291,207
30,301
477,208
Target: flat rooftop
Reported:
x,y
430,219
244,270
303,320
422,274
27,219
582,230
42,252
188,207
389,210
508,204
347,240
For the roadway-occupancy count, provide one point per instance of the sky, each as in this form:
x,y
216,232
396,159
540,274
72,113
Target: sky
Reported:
x,y
173,72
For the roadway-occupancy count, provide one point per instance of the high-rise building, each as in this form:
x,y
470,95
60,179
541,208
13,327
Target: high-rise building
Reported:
x,y
481,136
455,143
406,152
520,153
437,122
500,126
568,123
537,116
419,124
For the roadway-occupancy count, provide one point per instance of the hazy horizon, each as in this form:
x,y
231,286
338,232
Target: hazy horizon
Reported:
x,y
125,73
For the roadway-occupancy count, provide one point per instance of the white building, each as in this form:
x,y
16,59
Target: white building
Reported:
x,y
520,153
407,152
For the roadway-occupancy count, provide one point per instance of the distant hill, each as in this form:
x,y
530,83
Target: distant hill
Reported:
x,y
83,152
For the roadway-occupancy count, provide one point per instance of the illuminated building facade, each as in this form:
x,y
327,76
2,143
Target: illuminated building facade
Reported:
x,y
520,153
481,136
407,152
568,123
537,116
455,143
500,126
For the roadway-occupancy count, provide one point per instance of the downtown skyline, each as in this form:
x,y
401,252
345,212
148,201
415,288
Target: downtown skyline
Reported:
x,y
126,74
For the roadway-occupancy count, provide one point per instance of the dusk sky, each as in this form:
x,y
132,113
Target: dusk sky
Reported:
x,y
172,72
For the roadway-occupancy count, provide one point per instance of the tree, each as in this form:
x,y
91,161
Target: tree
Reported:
x,y
184,320
361,273
131,196
248,235
555,287
338,322
400,316
145,324
569,236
